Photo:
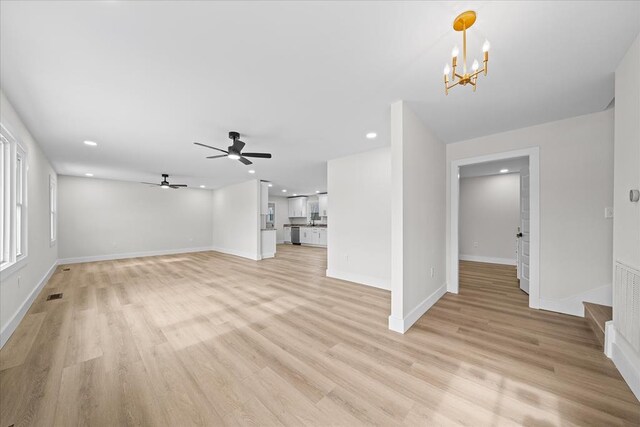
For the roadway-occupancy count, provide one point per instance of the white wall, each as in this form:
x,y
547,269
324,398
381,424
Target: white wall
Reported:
x,y
576,180
418,218
236,219
18,290
489,216
106,219
359,221
626,225
626,222
282,216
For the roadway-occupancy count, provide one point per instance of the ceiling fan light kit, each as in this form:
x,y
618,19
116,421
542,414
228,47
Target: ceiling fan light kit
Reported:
x,y
463,22
165,183
234,151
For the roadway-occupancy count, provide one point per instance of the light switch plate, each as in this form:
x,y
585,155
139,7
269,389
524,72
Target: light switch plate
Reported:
x,y
608,212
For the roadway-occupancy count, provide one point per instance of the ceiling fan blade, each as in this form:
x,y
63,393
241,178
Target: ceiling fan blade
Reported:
x,y
260,155
217,157
245,161
177,185
238,145
149,183
208,146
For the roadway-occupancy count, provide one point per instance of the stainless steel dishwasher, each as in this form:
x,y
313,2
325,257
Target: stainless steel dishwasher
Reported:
x,y
295,235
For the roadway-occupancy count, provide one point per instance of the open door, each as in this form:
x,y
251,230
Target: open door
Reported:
x,y
524,234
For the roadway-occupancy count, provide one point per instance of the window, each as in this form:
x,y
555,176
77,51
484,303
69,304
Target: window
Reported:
x,y
13,202
53,209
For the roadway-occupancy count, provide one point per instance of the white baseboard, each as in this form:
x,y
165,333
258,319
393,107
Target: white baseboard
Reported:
x,y
609,333
362,279
488,259
271,255
17,317
248,255
573,305
402,325
626,359
111,257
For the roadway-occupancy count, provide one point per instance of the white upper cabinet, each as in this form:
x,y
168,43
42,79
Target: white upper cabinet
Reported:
x,y
264,198
298,207
323,200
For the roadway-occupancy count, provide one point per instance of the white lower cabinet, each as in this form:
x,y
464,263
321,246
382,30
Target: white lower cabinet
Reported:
x,y
287,234
313,236
323,237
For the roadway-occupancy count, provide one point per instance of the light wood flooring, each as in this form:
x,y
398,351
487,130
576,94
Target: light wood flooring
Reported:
x,y
211,339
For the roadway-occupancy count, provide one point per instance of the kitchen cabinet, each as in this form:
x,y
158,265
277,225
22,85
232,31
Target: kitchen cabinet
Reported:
x,y
323,201
287,234
313,236
264,198
298,207
323,237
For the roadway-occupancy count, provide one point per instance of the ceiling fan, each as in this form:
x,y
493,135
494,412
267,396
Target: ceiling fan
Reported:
x,y
165,183
234,151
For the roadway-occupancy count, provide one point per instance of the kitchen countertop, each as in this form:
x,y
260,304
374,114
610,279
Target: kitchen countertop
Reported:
x,y
305,225
267,229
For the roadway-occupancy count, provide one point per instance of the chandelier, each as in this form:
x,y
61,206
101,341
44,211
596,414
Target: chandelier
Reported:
x,y
462,22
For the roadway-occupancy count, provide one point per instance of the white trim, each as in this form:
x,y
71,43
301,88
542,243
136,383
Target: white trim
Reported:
x,y
362,279
17,317
534,244
488,259
234,252
609,332
573,304
403,325
112,257
626,359
268,255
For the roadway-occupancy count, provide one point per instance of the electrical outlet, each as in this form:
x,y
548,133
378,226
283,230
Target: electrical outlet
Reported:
x,y
19,279
475,244
608,212
432,272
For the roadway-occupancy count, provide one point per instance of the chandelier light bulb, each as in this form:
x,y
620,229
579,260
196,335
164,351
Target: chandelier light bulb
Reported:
x,y
486,46
447,70
454,52
475,65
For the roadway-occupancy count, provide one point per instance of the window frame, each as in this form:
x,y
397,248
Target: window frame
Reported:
x,y
53,210
14,193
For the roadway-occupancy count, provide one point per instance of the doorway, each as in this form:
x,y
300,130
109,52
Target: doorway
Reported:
x,y
525,239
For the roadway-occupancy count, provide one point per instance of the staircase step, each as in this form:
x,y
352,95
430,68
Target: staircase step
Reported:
x,y
597,315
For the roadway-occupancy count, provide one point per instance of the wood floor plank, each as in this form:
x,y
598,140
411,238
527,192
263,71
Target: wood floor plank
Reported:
x,y
212,339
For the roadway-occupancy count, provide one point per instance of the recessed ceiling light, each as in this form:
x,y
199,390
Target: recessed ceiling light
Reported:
x,y
294,194
91,143
88,174
504,170
372,135
270,185
284,191
317,191
202,186
252,171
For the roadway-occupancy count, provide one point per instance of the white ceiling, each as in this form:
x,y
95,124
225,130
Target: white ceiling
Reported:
x,y
494,167
304,81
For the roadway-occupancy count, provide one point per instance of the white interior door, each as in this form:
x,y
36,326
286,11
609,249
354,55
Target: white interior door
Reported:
x,y
523,246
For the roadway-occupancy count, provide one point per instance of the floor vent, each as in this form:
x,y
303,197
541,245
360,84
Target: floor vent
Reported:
x,y
54,296
66,269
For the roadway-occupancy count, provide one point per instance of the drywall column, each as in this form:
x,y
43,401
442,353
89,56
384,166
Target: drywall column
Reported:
x,y
236,220
417,218
359,224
